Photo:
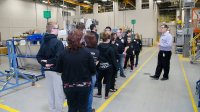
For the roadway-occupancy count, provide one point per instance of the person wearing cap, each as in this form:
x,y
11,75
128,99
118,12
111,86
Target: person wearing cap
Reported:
x,y
164,55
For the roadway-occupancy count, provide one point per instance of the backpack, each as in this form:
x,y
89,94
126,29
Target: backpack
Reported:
x,y
104,60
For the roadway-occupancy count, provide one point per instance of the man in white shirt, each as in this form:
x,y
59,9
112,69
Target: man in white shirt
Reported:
x,y
164,54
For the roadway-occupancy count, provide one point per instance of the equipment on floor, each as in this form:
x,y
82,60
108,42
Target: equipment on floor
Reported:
x,y
195,49
17,74
179,39
11,78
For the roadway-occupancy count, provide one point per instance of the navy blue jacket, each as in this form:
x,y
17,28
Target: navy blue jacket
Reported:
x,y
50,50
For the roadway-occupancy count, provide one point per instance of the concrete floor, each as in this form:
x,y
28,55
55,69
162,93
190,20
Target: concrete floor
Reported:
x,y
137,93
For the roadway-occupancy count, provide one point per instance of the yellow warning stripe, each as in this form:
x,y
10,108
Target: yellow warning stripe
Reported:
x,y
188,86
7,108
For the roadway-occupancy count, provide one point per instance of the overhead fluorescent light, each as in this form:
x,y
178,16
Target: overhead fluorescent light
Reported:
x,y
158,1
104,0
63,6
86,1
46,2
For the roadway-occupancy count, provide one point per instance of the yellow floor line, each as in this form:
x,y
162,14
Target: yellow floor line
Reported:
x,y
65,104
183,58
9,109
112,97
188,87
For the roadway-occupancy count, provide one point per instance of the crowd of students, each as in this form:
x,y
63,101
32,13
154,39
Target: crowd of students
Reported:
x,y
73,71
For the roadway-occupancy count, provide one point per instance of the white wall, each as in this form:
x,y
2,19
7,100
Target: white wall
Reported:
x,y
146,20
18,16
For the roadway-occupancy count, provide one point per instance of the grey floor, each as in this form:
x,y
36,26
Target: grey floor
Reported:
x,y
141,94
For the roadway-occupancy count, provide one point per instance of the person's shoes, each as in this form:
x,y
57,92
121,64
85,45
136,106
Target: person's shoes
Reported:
x,y
135,65
131,70
113,90
106,97
93,110
122,75
154,77
98,96
163,79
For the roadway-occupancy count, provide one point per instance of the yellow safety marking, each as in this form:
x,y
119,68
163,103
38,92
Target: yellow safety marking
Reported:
x,y
7,108
183,58
188,87
112,97
65,104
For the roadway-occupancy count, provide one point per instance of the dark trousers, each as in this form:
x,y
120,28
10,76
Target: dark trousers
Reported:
x,y
77,98
106,74
163,63
137,57
112,83
131,57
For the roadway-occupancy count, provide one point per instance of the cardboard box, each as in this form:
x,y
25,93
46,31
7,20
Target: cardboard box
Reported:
x,y
3,50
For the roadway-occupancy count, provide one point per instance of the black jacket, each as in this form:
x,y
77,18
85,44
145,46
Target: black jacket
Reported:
x,y
50,50
130,49
120,45
137,44
94,52
106,47
114,46
76,66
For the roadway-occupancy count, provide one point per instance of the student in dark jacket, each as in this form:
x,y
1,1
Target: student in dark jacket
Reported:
x,y
77,67
114,75
128,34
94,31
137,45
47,56
107,63
120,42
91,45
129,53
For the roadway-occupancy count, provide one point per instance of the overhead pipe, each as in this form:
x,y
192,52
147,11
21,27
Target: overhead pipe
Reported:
x,y
129,2
80,4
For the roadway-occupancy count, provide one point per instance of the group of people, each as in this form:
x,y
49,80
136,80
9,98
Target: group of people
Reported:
x,y
73,71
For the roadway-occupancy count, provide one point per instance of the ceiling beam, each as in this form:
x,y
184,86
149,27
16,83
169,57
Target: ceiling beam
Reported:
x,y
79,4
129,2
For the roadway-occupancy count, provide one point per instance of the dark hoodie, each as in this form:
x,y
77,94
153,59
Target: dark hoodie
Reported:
x,y
104,47
50,50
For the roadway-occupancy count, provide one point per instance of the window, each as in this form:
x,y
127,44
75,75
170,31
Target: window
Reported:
x,y
145,4
86,10
127,5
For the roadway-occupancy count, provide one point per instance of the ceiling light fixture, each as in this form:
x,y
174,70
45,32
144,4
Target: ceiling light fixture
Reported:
x,y
63,6
104,0
158,1
46,2
86,1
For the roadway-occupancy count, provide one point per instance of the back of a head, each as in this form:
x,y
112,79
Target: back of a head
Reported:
x,y
108,27
50,26
128,31
74,39
106,36
80,26
90,39
92,26
165,26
